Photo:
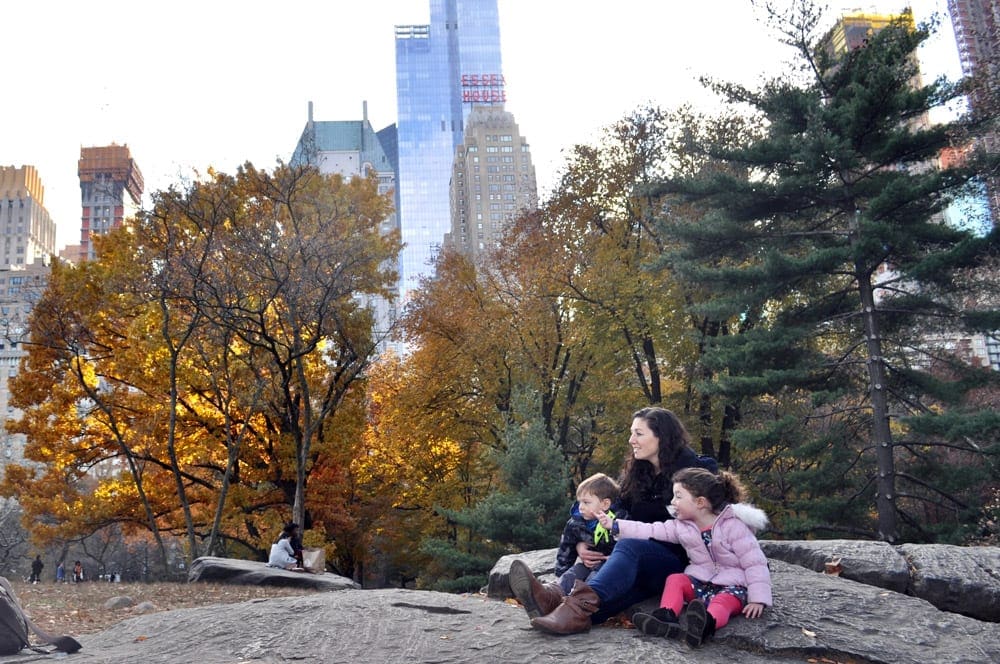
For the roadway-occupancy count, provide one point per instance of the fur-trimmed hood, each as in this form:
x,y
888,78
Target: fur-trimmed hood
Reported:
x,y
753,516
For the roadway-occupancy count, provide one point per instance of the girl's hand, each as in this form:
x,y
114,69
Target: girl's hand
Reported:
x,y
753,610
604,519
588,556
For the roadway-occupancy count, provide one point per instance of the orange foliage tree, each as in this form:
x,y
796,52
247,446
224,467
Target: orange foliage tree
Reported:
x,y
188,379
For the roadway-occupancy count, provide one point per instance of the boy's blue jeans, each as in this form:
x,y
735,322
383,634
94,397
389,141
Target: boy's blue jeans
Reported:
x,y
635,570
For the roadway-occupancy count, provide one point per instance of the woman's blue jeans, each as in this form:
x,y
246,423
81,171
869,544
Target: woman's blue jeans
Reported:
x,y
635,570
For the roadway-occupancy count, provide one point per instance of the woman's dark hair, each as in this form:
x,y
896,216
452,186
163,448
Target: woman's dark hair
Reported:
x,y
289,529
639,474
720,490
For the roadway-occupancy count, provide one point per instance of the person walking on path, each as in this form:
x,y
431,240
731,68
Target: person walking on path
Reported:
x,y
36,569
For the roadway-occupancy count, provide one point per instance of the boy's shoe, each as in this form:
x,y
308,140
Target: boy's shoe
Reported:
x,y
661,622
700,624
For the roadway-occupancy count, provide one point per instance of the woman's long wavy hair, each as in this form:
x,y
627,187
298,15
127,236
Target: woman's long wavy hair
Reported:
x,y
638,474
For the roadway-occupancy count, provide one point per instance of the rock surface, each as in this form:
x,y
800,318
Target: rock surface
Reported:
x,y
960,579
251,573
816,617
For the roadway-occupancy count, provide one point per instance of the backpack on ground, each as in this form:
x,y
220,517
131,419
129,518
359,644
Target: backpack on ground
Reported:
x,y
15,627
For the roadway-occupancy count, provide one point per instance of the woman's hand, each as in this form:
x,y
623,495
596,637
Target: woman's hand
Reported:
x,y
753,610
604,519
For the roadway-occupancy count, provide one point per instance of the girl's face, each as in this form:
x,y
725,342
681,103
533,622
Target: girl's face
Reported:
x,y
688,507
645,445
590,505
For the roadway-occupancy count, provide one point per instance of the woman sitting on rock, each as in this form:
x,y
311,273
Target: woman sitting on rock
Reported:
x,y
637,568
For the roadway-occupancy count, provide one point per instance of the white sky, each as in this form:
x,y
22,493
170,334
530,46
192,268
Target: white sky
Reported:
x,y
190,84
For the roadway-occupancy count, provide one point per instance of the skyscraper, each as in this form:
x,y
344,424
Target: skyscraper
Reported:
x,y
29,240
110,191
977,34
442,69
28,231
352,148
492,182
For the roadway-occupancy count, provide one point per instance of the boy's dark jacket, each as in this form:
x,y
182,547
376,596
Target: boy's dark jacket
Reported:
x,y
579,529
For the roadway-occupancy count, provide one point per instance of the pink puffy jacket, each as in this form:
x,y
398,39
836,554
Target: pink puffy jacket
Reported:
x,y
734,558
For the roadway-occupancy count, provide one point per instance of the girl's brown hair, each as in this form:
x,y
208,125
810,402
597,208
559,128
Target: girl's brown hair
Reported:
x,y
720,490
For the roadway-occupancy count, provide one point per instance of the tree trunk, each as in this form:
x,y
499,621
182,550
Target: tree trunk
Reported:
x,y
885,498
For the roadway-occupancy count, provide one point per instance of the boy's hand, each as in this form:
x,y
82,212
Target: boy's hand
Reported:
x,y
588,556
753,610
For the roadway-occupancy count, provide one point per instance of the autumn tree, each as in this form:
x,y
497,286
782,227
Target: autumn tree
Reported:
x,y
828,228
207,352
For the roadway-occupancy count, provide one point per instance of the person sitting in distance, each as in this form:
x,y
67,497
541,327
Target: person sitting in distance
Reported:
x,y
282,555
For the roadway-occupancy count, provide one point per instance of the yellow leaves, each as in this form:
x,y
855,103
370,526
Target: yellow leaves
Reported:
x,y
85,371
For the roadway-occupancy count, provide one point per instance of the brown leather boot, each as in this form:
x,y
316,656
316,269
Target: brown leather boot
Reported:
x,y
537,599
573,615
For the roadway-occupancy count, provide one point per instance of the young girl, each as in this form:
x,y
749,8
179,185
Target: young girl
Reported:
x,y
728,571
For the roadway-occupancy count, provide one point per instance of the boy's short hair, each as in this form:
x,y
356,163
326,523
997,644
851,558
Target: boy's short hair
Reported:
x,y
599,485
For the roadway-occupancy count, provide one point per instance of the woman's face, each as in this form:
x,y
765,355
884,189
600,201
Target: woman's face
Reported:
x,y
645,445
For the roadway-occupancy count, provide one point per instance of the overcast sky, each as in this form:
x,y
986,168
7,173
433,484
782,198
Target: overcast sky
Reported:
x,y
190,84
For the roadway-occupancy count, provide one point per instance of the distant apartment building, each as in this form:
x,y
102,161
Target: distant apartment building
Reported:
x,y
29,238
977,35
29,234
443,69
492,182
353,148
853,29
20,288
111,187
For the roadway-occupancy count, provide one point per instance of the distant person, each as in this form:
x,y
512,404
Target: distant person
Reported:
x,y
282,555
60,573
77,572
597,493
295,539
727,574
36,569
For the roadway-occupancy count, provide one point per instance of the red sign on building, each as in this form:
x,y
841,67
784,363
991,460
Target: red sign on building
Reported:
x,y
483,89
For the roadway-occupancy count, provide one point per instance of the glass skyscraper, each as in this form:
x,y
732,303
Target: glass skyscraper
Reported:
x,y
441,70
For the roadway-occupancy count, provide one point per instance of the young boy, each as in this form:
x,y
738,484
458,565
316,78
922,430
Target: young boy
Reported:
x,y
595,494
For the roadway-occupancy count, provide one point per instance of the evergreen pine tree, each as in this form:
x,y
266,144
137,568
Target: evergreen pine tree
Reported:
x,y
828,230
526,510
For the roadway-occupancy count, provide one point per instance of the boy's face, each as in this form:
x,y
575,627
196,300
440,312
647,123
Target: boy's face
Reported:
x,y
590,505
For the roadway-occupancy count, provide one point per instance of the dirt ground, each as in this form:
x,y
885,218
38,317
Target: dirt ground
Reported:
x,y
78,608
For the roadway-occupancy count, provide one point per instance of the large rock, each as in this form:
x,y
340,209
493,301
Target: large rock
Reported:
x,y
874,563
250,573
541,562
961,579
825,618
